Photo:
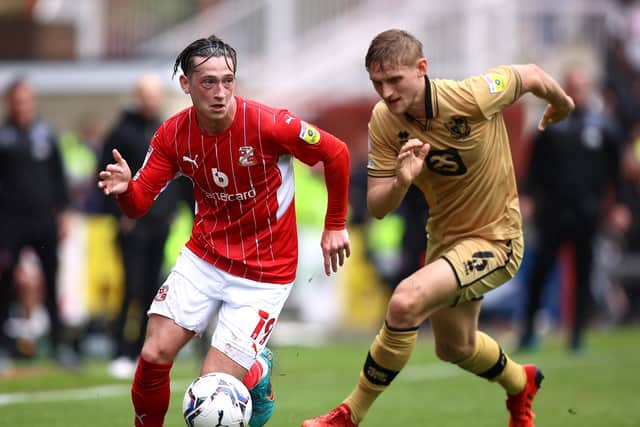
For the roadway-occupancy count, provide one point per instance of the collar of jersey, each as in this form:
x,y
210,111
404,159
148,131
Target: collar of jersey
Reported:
x,y
428,105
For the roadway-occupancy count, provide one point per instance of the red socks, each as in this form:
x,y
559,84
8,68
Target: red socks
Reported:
x,y
252,376
151,393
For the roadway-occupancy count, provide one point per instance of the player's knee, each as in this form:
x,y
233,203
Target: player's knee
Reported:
x,y
156,353
404,309
454,352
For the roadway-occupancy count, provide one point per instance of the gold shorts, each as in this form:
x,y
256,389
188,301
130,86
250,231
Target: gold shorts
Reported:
x,y
482,265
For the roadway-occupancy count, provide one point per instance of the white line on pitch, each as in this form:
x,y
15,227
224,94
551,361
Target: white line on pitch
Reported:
x,y
89,393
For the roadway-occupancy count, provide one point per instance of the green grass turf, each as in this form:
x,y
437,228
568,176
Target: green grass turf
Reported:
x,y
600,387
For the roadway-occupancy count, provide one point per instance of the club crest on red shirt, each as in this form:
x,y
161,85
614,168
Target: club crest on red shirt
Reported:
x,y
247,157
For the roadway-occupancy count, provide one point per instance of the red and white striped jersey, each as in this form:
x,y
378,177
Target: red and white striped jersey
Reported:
x,y
243,186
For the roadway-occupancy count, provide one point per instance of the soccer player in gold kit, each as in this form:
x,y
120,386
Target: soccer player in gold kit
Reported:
x,y
449,139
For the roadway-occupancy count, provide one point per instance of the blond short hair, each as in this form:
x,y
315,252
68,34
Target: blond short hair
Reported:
x,y
393,47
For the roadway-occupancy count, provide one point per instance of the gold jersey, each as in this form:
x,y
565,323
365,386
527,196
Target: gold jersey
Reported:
x,y
468,176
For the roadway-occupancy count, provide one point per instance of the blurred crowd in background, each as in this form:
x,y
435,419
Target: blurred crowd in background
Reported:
x,y
72,95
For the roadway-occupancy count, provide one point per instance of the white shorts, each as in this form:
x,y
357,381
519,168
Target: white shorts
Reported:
x,y
196,291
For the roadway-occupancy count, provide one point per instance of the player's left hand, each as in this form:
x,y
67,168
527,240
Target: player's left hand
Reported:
x,y
556,112
335,248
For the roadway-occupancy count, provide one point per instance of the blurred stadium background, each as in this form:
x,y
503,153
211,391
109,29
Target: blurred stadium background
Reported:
x,y
89,53
308,56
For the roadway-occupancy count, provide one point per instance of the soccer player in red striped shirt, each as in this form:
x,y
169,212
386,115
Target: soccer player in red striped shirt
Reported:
x,y
240,261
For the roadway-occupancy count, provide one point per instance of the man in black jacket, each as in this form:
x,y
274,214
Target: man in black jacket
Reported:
x,y
34,203
141,241
574,165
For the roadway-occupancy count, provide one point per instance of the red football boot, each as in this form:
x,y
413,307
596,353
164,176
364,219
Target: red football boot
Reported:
x,y
339,417
520,405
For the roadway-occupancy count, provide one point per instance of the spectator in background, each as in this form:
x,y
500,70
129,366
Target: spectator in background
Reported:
x,y
30,320
81,149
622,84
573,166
631,173
626,273
35,201
141,241
622,62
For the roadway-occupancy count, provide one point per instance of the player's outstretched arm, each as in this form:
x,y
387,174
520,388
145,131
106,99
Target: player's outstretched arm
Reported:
x,y
116,176
541,84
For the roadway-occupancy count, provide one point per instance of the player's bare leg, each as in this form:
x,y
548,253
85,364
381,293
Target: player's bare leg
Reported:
x,y
150,391
217,361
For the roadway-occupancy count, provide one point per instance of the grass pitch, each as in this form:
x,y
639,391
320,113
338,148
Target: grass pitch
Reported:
x,y
600,387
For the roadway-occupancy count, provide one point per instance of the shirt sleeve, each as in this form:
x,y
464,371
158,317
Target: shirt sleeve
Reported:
x,y
495,89
310,145
157,170
383,152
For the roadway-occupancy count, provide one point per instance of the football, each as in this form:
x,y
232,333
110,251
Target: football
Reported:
x,y
217,399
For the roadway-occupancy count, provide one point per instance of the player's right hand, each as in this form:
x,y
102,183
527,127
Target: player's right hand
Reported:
x,y
116,176
410,161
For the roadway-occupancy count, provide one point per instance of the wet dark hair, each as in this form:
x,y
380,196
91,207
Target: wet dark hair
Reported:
x,y
393,47
206,48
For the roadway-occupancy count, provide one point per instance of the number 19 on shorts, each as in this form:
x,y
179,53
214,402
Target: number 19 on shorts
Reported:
x,y
263,328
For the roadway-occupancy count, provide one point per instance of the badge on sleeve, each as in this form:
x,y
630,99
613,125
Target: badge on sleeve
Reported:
x,y
497,82
308,133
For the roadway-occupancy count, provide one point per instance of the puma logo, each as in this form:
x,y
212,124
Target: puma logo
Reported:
x,y
190,160
140,417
